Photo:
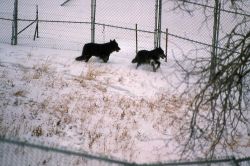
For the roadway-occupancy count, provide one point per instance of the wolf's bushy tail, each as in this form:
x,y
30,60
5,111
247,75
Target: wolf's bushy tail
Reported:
x,y
134,60
80,58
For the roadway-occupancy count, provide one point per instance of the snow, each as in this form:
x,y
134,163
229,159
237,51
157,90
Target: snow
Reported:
x,y
109,108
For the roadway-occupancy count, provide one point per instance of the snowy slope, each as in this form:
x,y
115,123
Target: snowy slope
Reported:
x,y
112,109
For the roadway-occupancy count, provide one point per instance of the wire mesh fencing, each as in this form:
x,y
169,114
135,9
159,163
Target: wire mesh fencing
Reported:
x,y
67,26
70,21
6,26
22,153
31,153
54,34
126,13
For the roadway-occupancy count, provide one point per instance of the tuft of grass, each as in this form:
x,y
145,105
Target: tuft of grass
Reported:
x,y
93,137
38,131
91,75
41,69
93,72
101,88
20,93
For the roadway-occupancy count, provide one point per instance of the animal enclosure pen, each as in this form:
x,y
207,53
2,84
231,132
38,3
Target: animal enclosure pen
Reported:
x,y
32,153
75,31
67,25
49,31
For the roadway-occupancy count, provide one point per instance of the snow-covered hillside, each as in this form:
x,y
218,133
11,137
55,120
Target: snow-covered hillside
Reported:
x,y
110,108
107,108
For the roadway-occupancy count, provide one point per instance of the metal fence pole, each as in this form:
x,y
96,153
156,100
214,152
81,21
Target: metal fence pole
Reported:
x,y
156,24
214,47
215,38
157,32
36,30
136,39
166,45
159,23
65,2
218,29
93,11
14,24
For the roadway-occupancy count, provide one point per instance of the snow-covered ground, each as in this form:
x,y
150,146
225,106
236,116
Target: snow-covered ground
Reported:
x,y
110,108
106,108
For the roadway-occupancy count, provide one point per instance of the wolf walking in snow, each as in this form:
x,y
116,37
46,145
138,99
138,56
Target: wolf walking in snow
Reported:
x,y
149,57
102,51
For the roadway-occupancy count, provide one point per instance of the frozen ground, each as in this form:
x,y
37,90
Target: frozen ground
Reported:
x,y
112,108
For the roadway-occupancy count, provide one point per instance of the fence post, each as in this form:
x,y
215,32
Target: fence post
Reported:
x,y
36,30
215,38
218,29
14,24
156,24
65,2
214,51
136,39
93,11
157,32
166,45
159,23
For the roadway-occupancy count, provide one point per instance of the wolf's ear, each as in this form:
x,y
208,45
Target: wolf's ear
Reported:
x,y
110,40
114,40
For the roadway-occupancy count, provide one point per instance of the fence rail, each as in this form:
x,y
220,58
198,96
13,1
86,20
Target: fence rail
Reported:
x,y
10,148
116,27
211,7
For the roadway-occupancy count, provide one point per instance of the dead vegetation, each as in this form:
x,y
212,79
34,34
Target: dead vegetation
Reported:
x,y
82,109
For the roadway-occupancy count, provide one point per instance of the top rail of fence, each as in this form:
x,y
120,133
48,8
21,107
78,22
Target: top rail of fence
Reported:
x,y
223,10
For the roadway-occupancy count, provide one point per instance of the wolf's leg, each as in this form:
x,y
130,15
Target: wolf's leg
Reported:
x,y
105,59
158,64
138,64
152,62
87,58
82,57
154,68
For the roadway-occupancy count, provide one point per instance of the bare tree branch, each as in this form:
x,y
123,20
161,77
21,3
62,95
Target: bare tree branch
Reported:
x,y
220,103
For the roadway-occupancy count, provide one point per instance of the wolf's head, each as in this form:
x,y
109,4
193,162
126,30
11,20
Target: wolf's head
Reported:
x,y
159,52
114,45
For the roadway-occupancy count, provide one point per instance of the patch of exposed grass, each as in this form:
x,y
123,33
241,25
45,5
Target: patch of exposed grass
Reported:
x,y
38,131
20,93
41,69
93,72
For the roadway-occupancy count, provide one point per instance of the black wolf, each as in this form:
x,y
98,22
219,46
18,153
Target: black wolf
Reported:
x,y
149,57
102,51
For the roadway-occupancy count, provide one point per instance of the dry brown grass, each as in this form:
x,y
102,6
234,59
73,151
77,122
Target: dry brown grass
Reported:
x,y
91,75
40,69
93,72
38,131
20,93
101,88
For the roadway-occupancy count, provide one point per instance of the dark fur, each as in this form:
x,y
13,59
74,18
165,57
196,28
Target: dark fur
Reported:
x,y
102,51
149,57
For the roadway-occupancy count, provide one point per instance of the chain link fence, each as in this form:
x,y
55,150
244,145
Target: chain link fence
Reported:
x,y
22,153
67,26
